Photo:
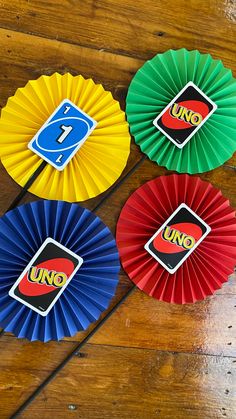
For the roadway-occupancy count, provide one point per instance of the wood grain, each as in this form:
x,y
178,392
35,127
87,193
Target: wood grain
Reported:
x,y
23,366
20,62
200,328
151,359
139,29
206,327
131,383
9,189
26,365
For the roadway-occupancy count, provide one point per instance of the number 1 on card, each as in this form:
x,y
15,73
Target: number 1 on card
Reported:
x,y
61,136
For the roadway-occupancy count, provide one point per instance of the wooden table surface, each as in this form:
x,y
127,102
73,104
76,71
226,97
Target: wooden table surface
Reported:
x,y
150,359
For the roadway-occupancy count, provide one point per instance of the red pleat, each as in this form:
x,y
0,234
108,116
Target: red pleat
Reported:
x,y
207,268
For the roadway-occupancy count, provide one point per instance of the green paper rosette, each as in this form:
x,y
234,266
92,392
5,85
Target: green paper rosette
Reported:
x,y
154,87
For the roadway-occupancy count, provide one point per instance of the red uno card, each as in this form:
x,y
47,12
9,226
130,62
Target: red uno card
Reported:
x,y
185,115
177,238
46,276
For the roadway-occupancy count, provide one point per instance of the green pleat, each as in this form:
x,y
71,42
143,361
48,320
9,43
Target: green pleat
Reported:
x,y
156,83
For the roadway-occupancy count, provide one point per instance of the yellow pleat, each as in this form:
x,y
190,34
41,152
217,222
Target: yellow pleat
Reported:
x,y
96,165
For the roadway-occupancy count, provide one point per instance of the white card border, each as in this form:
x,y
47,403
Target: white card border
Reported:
x,y
76,149
44,244
155,121
147,248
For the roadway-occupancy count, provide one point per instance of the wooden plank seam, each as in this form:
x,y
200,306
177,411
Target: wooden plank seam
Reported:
x,y
54,373
75,352
14,203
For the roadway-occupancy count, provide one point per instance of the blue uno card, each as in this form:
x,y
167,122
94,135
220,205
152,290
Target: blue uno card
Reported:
x,y
61,136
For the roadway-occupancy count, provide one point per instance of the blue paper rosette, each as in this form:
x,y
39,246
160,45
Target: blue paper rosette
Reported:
x,y
89,292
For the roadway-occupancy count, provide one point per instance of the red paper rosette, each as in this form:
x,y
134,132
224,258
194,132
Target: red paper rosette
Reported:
x,y
210,264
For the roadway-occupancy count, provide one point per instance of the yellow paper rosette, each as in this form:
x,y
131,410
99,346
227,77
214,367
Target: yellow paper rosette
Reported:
x,y
94,167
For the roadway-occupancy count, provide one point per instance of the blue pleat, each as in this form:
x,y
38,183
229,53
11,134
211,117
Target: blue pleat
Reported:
x,y
22,231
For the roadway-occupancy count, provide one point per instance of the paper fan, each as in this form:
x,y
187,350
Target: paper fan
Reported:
x,y
87,295
94,167
206,268
189,120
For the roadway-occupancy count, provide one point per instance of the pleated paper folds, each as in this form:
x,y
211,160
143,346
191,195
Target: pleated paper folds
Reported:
x,y
22,231
210,264
154,86
95,166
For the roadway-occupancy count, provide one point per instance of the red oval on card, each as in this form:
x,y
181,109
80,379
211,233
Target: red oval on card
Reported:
x,y
175,123
29,288
190,229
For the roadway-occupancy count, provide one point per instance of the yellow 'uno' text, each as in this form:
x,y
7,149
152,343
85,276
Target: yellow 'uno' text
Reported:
x,y
176,237
186,115
43,276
